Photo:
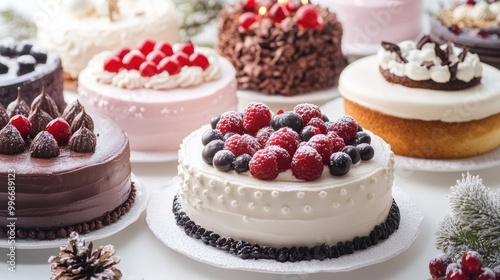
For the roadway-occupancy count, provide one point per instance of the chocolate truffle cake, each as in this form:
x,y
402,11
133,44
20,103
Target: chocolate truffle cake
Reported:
x,y
27,66
67,173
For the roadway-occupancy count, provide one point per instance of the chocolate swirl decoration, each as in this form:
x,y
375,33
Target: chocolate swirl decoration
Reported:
x,y
4,117
72,111
46,103
82,119
39,120
44,146
18,106
11,141
83,141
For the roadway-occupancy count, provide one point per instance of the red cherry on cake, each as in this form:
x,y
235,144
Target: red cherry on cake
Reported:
x,y
113,64
197,59
155,56
471,2
247,19
249,5
133,60
121,52
146,46
22,124
60,129
455,29
278,12
187,48
483,34
170,65
291,7
307,17
148,69
165,48
471,262
181,58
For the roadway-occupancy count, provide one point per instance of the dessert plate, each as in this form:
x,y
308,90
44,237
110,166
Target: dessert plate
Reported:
x,y
335,109
161,221
141,201
152,157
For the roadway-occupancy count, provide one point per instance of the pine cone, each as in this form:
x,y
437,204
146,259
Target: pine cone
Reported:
x,y
77,261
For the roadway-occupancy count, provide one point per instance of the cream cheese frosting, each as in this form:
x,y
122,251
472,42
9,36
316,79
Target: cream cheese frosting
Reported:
x,y
376,93
286,211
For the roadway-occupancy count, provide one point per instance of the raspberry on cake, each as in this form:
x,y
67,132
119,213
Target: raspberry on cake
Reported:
x,y
425,99
262,204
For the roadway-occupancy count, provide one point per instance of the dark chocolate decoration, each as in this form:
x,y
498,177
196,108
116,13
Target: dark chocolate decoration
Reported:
x,y
4,117
427,64
441,54
72,111
450,53
18,106
400,58
39,54
39,120
8,47
246,250
82,119
463,54
46,103
3,68
453,70
11,141
390,47
26,64
23,48
424,40
83,141
44,146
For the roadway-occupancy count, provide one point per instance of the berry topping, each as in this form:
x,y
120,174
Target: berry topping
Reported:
x,y
155,56
223,160
366,151
146,46
483,34
362,137
455,29
278,12
121,52
168,64
309,131
263,135
164,47
471,262
187,48
285,138
339,164
471,2
26,64
241,163
133,60
229,135
282,156
3,68
338,143
60,129
230,122
307,111
287,119
360,128
242,144
22,124
319,123
307,17
346,127
211,149
455,273
353,153
486,274
438,265
147,69
307,164
256,116
324,118
211,134
249,5
197,59
264,165
214,120
323,144
113,64
181,58
247,20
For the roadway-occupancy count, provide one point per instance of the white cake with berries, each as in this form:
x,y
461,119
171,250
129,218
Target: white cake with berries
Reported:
x,y
274,188
158,93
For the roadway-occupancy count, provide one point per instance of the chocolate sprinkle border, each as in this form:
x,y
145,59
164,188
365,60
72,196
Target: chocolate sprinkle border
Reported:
x,y
246,250
81,228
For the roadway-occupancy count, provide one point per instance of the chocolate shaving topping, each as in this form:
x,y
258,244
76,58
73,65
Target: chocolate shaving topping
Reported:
x,y
424,40
83,141
427,64
441,54
450,51
11,141
453,70
82,119
39,120
4,117
44,146
391,47
46,103
72,111
400,58
463,54
18,106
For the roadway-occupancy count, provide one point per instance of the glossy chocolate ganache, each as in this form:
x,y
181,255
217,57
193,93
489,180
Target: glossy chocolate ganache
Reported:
x,y
73,174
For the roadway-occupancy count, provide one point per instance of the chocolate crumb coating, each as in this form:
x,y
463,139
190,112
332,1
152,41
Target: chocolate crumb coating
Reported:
x,y
281,59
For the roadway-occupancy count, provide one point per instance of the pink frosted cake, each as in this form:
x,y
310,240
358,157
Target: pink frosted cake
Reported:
x,y
158,93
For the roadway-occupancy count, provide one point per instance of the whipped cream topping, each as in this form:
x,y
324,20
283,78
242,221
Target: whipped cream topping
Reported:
x,y
424,63
131,79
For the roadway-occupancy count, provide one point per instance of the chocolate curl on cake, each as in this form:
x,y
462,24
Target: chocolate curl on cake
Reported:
x,y
4,117
18,106
441,54
39,120
391,47
83,141
424,40
82,119
44,146
46,103
463,54
11,141
72,111
76,260
427,64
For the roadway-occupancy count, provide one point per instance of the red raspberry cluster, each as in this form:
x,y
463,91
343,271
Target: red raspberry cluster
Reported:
x,y
152,58
470,267
303,140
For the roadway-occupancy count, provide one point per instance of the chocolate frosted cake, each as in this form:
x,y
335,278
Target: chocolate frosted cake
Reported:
x,y
471,24
27,66
282,49
68,173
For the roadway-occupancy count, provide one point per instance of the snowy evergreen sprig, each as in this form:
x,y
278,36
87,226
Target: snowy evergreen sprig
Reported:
x,y
475,223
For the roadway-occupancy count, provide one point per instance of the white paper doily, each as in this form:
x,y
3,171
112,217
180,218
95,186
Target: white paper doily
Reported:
x,y
152,157
161,221
335,109
141,201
